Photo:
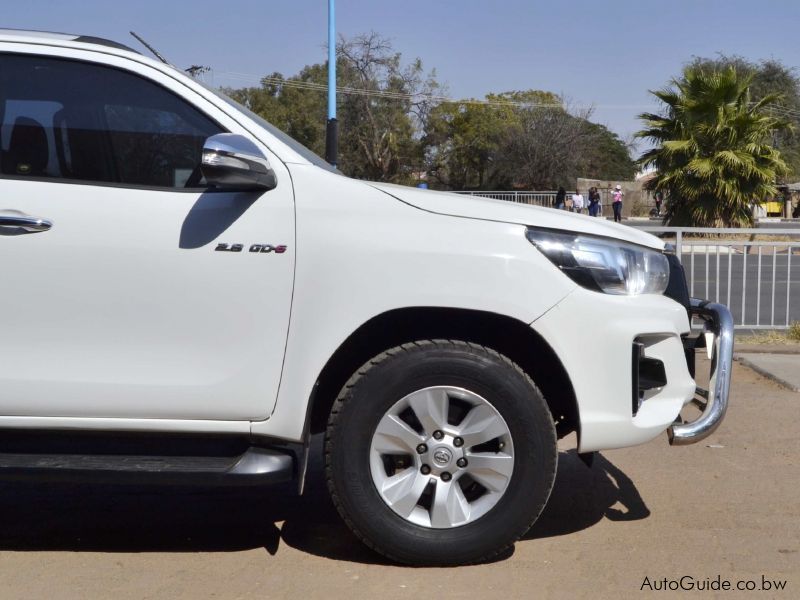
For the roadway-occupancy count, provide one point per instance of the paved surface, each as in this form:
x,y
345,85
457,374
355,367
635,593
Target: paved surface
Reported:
x,y
761,224
782,368
767,348
726,506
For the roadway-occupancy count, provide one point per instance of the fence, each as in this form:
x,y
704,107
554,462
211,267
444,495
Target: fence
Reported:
x,y
543,198
757,280
538,198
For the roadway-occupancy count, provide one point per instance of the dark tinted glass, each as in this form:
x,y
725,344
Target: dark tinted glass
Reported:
x,y
74,120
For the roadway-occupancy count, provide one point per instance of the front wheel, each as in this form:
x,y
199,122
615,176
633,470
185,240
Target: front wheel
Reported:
x,y
440,452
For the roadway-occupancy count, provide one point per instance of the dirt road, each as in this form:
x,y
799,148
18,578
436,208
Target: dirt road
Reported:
x,y
728,506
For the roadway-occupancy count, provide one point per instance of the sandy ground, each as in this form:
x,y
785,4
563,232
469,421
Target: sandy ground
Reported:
x,y
728,506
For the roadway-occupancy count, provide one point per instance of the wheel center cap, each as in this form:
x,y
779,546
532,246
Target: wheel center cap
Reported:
x,y
442,457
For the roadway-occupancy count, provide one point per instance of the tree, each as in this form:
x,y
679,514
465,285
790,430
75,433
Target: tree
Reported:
x,y
549,145
463,142
607,156
293,105
382,109
394,125
770,77
527,139
713,155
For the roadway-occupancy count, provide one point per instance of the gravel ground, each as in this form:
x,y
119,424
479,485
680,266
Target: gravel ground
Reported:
x,y
727,506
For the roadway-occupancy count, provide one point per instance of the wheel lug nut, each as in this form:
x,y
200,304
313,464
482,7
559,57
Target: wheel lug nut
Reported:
x,y
425,469
446,476
461,462
437,435
458,442
422,449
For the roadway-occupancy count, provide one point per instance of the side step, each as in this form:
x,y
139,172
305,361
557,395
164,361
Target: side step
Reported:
x,y
256,466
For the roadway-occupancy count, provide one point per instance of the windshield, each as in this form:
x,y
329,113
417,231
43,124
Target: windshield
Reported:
x,y
309,155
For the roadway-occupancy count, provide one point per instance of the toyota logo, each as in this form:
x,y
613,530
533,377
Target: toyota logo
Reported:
x,y
442,456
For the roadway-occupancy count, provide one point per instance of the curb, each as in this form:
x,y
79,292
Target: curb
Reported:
x,y
761,371
767,348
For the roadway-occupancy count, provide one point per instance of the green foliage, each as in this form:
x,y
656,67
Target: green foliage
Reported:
x,y
770,77
713,153
393,129
298,112
520,139
608,156
378,115
464,142
379,138
794,331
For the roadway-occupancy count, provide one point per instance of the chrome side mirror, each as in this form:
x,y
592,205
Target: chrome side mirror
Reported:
x,y
232,162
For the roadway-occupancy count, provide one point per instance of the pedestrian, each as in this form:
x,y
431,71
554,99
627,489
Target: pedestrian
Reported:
x,y
616,203
577,201
594,201
561,198
659,201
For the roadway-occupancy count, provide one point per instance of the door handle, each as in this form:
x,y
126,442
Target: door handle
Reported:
x,y
26,223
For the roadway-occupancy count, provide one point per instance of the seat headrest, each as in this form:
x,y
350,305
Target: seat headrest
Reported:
x,y
28,152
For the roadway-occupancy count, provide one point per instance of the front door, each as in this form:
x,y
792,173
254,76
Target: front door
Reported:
x,y
115,300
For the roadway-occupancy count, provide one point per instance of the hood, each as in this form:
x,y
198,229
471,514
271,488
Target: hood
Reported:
x,y
487,209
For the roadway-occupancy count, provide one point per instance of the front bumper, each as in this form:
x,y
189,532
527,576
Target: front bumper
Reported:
x,y
593,334
714,401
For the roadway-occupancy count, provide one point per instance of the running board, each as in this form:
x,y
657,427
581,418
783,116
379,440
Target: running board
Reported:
x,y
255,466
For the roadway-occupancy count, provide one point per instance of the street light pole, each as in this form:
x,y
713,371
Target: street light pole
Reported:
x,y
332,130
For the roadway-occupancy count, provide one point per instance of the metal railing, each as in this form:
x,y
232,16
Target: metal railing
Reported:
x,y
541,198
535,198
758,280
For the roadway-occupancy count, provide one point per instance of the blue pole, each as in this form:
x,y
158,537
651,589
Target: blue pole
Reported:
x,y
331,59
332,130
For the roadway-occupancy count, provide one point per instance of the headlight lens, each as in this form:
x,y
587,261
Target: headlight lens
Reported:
x,y
604,265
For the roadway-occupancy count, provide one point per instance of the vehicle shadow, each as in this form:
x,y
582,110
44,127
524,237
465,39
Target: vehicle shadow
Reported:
x,y
213,214
582,497
102,518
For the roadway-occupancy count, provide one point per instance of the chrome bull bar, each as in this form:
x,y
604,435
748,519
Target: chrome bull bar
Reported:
x,y
719,321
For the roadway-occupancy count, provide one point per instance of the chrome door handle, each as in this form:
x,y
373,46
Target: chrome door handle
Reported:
x,y
29,224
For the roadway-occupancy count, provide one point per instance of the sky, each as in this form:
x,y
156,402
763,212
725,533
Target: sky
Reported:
x,y
605,54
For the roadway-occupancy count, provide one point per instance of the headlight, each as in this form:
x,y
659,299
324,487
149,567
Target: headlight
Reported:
x,y
603,264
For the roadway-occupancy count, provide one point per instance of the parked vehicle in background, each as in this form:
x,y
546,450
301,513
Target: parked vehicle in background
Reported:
x,y
191,295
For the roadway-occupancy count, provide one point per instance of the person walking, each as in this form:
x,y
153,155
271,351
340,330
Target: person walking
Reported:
x,y
659,202
577,201
594,201
616,203
599,204
561,198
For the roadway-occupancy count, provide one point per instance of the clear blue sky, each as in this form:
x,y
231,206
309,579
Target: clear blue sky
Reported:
x,y
606,54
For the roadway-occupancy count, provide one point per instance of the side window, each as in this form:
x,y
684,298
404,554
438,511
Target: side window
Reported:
x,y
81,121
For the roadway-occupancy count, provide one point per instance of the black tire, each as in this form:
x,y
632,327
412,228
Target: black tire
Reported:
x,y
394,374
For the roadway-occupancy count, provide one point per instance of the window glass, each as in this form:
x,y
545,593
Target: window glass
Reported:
x,y
37,111
82,121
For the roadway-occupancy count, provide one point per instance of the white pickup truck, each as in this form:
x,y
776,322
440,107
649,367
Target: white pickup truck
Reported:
x,y
189,295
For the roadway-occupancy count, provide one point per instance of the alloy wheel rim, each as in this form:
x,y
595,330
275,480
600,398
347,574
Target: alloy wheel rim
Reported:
x,y
441,457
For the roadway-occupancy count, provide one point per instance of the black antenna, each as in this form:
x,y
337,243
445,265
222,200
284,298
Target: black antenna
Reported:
x,y
149,47
197,71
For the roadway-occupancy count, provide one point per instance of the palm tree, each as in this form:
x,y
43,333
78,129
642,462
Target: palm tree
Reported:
x,y
712,151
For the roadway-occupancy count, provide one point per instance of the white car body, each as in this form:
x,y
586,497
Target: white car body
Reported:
x,y
115,322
